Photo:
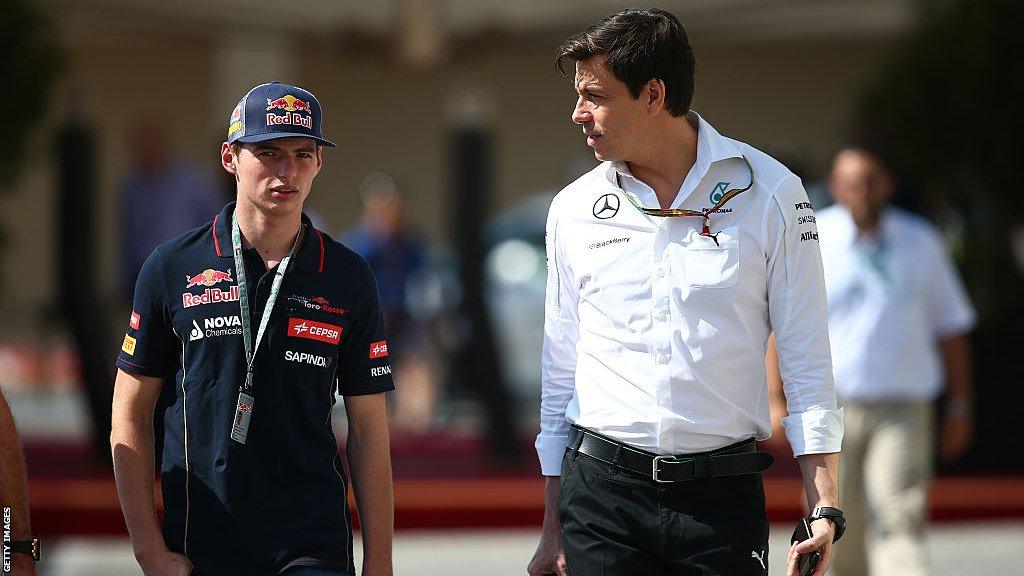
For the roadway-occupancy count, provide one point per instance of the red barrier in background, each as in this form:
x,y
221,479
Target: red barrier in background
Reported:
x,y
446,481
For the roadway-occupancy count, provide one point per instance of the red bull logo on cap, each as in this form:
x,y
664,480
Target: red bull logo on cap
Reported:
x,y
208,277
235,123
297,112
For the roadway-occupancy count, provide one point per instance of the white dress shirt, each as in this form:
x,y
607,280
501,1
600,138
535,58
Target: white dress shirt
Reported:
x,y
655,335
891,298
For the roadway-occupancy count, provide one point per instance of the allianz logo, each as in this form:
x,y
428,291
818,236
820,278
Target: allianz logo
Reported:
x,y
216,326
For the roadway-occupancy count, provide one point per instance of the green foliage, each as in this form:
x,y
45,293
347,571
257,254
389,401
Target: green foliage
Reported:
x,y
29,64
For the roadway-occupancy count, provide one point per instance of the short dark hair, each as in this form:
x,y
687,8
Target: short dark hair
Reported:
x,y
866,147
639,45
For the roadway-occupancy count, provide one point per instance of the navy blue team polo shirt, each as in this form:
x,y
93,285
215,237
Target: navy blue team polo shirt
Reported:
x,y
279,501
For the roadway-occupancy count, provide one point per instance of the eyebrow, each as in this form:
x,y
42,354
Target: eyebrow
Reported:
x,y
279,149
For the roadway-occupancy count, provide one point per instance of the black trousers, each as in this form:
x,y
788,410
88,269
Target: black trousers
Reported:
x,y
617,523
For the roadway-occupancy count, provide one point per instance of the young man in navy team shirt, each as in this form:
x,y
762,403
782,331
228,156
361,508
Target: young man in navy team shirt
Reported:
x,y
251,477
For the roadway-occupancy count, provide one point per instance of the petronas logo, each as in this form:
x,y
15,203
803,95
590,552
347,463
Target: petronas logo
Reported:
x,y
718,192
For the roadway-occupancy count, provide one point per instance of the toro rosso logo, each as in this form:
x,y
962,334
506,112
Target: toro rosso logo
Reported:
x,y
208,277
312,330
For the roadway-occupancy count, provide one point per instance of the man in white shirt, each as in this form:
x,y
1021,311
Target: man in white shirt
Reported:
x,y
898,322
668,267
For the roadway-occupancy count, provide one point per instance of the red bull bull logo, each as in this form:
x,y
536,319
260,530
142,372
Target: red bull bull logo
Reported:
x,y
297,112
289,103
208,277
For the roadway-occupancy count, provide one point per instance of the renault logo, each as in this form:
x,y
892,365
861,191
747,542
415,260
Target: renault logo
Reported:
x,y
606,206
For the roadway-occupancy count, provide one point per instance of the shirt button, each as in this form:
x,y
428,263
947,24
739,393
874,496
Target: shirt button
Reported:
x,y
661,272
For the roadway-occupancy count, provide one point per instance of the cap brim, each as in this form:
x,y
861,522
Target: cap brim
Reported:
x,y
278,135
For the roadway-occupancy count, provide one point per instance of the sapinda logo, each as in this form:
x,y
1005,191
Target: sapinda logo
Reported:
x,y
379,349
313,330
307,358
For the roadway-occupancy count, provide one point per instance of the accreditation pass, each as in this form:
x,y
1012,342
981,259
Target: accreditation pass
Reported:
x,y
243,413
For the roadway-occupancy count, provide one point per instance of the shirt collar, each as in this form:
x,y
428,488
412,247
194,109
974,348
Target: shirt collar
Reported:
x,y
711,147
309,257
847,233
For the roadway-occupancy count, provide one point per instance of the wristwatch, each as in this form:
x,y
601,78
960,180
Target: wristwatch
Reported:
x,y
28,547
833,514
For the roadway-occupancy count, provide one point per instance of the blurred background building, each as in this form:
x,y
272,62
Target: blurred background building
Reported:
x,y
459,103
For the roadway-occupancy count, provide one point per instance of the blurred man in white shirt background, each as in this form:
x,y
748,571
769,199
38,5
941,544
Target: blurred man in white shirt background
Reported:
x,y
898,323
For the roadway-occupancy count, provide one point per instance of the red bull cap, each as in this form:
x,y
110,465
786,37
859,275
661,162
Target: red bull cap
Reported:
x,y
276,110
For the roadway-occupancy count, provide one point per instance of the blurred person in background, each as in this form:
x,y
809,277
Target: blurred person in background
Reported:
x,y
160,197
251,477
14,496
668,267
399,260
898,323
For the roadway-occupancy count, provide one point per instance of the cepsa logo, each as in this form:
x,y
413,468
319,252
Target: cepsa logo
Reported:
x,y
378,349
312,330
208,277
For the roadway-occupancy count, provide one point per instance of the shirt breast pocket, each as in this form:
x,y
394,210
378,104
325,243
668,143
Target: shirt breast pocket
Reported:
x,y
711,264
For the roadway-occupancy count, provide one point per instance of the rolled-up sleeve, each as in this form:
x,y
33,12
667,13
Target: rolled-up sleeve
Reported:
x,y
558,353
798,312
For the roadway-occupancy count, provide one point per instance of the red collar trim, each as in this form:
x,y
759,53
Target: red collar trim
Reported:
x,y
216,243
321,237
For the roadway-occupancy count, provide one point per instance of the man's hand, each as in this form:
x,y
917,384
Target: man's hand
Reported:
x,y
955,436
164,563
821,539
549,557
22,565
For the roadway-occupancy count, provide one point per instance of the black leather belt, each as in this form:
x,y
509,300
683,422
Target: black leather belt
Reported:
x,y
735,460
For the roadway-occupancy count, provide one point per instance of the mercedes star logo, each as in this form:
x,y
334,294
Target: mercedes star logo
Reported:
x,y
606,206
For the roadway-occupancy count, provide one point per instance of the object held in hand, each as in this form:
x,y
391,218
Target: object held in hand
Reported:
x,y
806,563
27,547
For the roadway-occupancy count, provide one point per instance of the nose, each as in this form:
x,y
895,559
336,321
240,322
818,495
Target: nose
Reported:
x,y
581,112
285,167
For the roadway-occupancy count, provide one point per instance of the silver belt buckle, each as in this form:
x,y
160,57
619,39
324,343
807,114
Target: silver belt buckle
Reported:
x,y
654,469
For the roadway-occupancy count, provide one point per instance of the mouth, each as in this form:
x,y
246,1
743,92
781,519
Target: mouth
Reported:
x,y
592,139
282,192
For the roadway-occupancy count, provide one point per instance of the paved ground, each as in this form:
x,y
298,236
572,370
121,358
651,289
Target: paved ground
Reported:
x,y
957,549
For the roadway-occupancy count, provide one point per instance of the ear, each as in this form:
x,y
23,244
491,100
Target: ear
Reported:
x,y
654,96
228,160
